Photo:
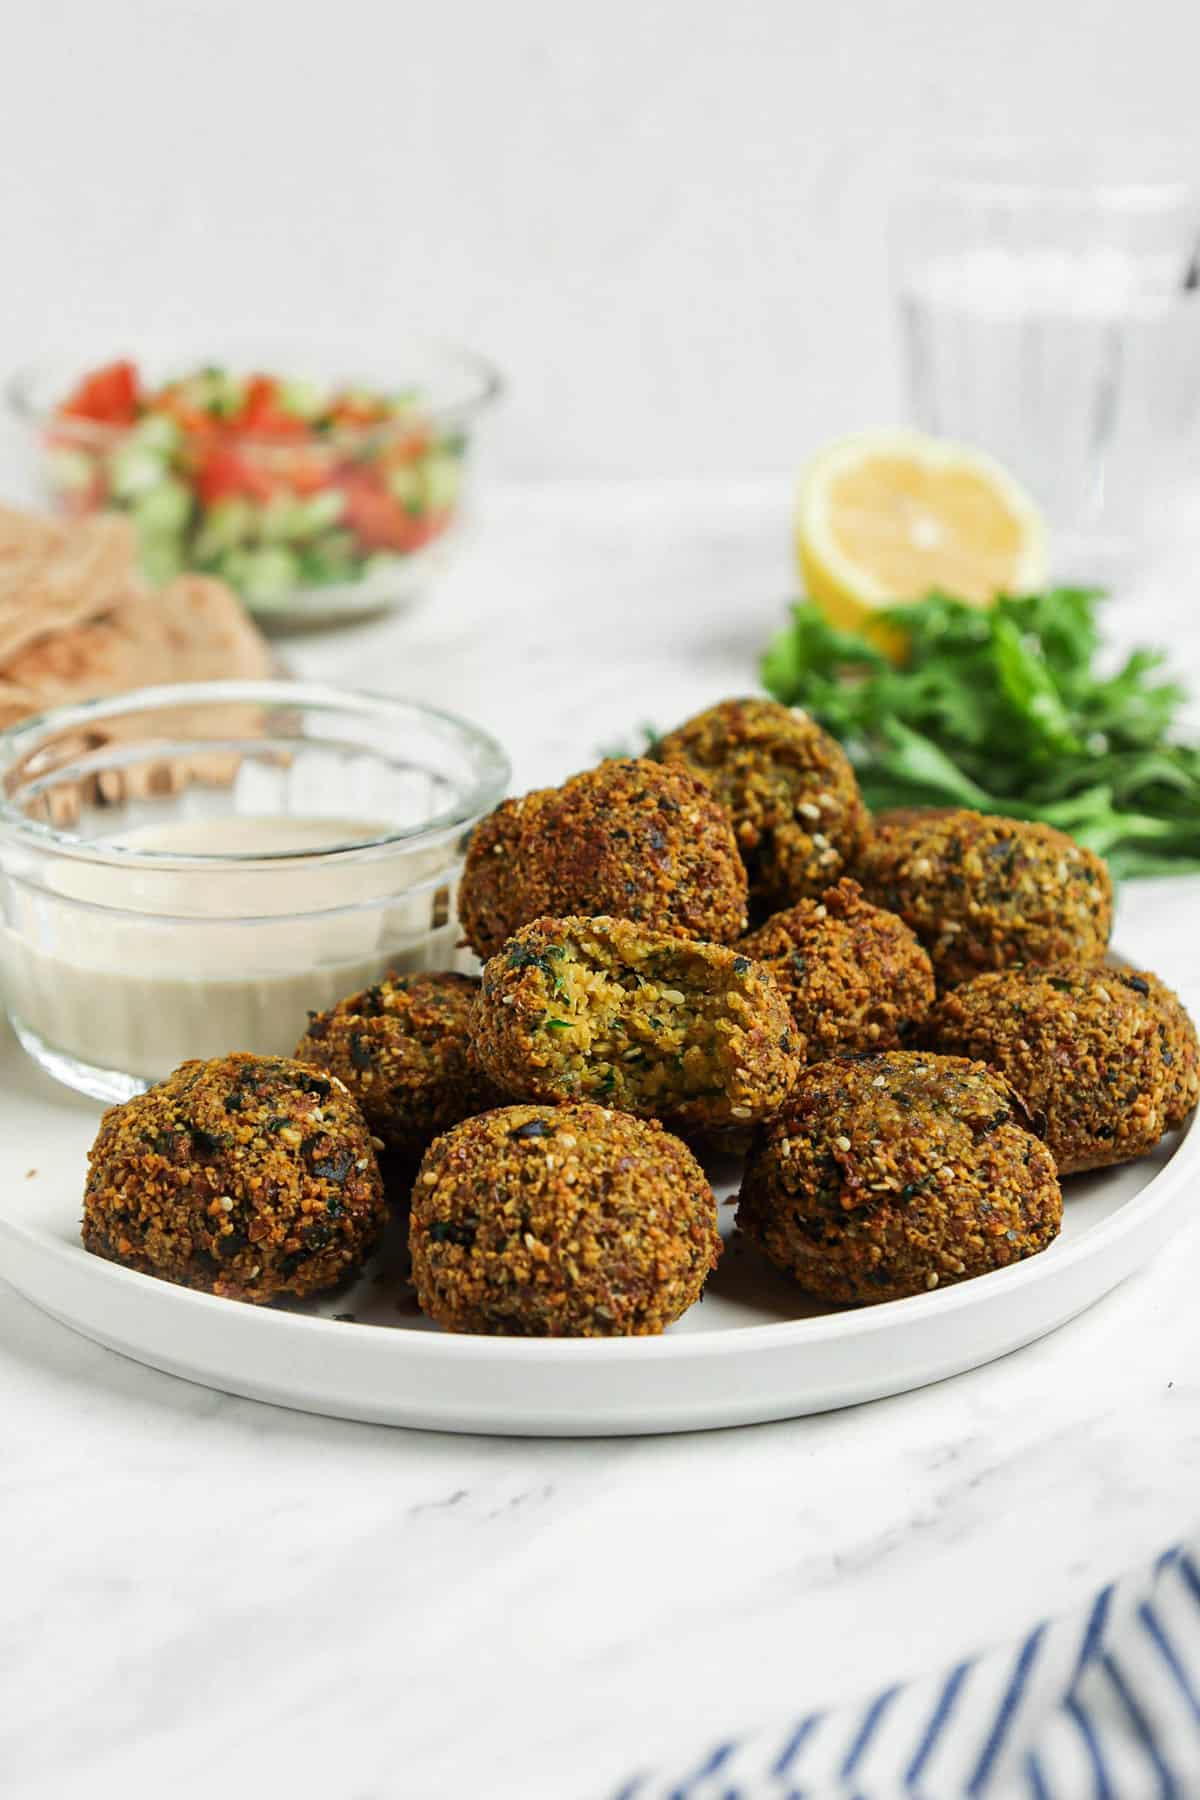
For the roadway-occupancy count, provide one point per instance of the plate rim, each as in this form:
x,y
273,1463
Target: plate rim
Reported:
x,y
860,1321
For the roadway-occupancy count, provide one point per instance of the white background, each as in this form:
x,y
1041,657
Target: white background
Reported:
x,y
664,218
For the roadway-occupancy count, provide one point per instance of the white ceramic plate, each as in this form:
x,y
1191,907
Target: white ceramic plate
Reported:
x,y
754,1349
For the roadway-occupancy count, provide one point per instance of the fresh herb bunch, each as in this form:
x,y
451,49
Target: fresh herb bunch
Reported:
x,y
1004,710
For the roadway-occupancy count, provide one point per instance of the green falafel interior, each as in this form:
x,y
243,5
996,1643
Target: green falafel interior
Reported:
x,y
603,1009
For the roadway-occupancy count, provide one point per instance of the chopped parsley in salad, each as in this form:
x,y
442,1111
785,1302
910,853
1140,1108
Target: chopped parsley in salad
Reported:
x,y
273,485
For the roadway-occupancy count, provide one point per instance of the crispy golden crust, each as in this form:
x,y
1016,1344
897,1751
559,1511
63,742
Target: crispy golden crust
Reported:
x,y
1180,1049
568,1221
983,892
888,1175
249,1177
630,839
854,977
403,1050
599,1009
1105,1059
491,894
788,787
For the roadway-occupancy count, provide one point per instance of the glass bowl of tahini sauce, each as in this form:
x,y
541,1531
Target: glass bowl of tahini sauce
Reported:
x,y
191,870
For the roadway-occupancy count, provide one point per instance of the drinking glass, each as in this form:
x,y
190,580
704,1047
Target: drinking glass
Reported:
x,y
1049,302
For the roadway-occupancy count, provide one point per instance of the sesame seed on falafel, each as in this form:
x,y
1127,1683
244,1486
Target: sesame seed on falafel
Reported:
x,y
854,976
982,892
560,1221
630,839
1104,1058
892,1174
788,787
250,1177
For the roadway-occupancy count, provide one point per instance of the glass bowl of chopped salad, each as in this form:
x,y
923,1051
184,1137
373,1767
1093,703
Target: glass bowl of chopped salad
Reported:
x,y
315,490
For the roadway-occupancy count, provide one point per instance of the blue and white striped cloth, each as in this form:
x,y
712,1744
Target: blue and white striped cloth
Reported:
x,y
1101,1704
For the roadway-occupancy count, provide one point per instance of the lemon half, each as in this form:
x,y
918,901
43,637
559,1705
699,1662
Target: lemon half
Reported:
x,y
887,516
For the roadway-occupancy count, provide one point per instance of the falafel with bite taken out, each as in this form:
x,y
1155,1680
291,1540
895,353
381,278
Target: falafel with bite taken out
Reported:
x,y
600,1009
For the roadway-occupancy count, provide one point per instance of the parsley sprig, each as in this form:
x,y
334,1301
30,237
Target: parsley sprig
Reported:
x,y
1005,710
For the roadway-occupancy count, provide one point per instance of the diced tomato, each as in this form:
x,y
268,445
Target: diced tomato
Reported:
x,y
223,473
407,449
262,415
192,421
305,474
109,396
347,411
381,522
376,518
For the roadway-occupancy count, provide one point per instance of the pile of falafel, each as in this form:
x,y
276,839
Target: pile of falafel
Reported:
x,y
906,1023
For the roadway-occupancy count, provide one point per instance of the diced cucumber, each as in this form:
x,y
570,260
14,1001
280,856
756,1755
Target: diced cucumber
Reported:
x,y
331,557
287,521
304,399
134,469
281,519
161,559
405,485
163,510
338,547
225,524
69,471
214,391
232,566
442,477
225,393
156,432
323,510
270,573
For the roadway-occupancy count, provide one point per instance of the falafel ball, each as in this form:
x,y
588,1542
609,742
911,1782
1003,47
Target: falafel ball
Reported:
x,y
787,785
891,1174
251,1177
629,838
599,1009
1105,1059
1180,1046
560,1221
495,880
403,1050
854,976
982,892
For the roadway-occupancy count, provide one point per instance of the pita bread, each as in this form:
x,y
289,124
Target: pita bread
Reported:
x,y
55,575
192,630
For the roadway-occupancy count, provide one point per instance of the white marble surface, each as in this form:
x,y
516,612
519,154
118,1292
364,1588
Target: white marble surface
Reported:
x,y
204,1595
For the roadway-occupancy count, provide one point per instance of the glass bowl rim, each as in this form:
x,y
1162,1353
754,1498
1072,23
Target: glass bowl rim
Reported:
x,y
484,386
491,771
